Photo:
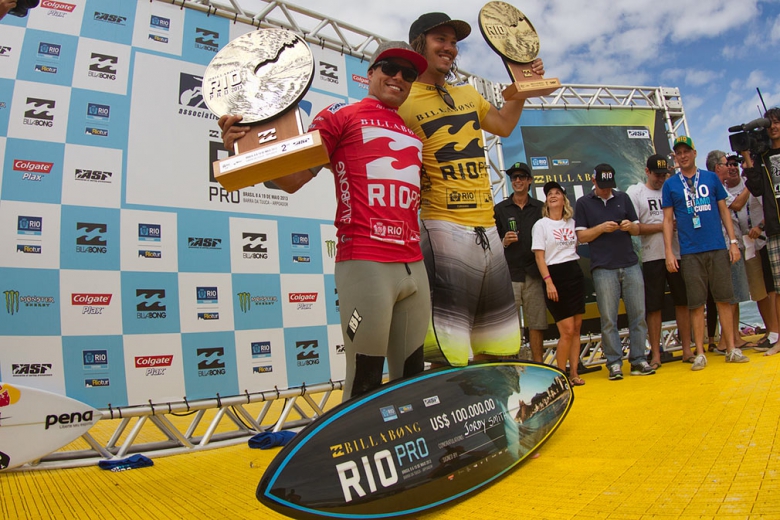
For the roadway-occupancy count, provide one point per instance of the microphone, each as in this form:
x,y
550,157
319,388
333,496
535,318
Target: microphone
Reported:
x,y
761,122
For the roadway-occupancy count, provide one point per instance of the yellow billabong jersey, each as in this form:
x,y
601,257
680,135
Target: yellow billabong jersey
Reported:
x,y
455,183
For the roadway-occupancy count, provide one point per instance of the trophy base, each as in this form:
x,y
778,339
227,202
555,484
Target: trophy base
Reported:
x,y
272,161
528,89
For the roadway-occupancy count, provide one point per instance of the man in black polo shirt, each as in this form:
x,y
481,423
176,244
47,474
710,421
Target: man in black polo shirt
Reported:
x,y
606,219
515,216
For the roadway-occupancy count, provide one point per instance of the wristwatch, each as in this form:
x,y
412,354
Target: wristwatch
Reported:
x,y
733,241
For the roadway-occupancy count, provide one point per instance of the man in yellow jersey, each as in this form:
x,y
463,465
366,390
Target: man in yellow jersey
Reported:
x,y
473,304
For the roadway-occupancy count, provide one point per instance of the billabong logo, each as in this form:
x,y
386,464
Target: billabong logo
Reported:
x,y
103,66
210,362
38,112
206,39
329,72
307,352
91,237
150,303
253,247
11,302
330,248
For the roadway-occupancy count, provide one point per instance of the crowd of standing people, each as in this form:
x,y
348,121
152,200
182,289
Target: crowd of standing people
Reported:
x,y
438,289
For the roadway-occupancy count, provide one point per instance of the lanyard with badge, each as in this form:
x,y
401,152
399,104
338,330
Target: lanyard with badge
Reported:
x,y
692,196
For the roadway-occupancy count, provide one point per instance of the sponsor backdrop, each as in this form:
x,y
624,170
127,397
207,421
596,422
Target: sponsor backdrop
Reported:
x,y
566,145
128,273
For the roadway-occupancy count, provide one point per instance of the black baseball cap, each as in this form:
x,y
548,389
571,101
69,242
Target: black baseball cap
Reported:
x,y
519,168
657,164
605,176
552,184
428,21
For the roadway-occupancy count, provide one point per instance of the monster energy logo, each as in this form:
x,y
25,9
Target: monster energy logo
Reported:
x,y
331,247
11,301
244,301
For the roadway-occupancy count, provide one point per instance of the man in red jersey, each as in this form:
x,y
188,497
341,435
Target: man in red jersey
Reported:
x,y
384,298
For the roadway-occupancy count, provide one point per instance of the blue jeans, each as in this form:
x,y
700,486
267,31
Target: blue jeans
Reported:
x,y
611,285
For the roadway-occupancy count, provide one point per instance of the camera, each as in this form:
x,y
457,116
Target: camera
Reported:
x,y
751,136
22,6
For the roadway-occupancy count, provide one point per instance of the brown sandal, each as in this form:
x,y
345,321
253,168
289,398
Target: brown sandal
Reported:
x,y
576,381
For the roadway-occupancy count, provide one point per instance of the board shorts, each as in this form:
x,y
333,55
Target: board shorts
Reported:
x,y
385,309
653,272
473,305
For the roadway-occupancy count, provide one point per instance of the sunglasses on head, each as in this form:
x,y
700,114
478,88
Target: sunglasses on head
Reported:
x,y
391,69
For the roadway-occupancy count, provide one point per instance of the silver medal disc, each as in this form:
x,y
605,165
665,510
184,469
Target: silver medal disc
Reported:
x,y
259,75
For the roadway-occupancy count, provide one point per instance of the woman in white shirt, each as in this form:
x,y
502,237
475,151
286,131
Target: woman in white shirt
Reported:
x,y
555,246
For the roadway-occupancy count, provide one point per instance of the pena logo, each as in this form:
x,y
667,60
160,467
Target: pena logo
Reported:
x,y
206,39
102,66
9,394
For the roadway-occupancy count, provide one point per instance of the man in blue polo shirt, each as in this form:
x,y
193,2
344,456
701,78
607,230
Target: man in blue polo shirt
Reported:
x,y
606,219
696,199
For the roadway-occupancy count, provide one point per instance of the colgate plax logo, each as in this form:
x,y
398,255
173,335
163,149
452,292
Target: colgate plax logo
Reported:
x,y
303,297
90,299
153,361
59,6
22,165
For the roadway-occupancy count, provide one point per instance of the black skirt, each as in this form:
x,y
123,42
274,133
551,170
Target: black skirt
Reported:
x,y
570,284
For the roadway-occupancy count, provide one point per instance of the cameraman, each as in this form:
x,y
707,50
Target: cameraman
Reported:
x,y
762,178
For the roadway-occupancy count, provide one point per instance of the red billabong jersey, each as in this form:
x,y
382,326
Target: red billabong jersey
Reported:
x,y
375,160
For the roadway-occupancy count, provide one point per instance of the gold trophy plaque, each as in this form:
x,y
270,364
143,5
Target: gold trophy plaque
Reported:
x,y
262,76
510,33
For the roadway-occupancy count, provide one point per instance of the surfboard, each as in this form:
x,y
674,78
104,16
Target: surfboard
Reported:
x,y
34,423
417,443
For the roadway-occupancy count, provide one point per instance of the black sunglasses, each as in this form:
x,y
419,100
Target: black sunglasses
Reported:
x,y
391,69
445,96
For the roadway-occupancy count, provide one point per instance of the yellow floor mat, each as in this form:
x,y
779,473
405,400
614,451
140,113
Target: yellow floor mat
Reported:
x,y
678,444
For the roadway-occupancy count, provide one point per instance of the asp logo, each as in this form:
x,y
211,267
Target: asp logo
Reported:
x,y
307,353
31,369
206,39
204,243
39,113
253,247
5,51
211,362
638,134
110,18
93,176
102,66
